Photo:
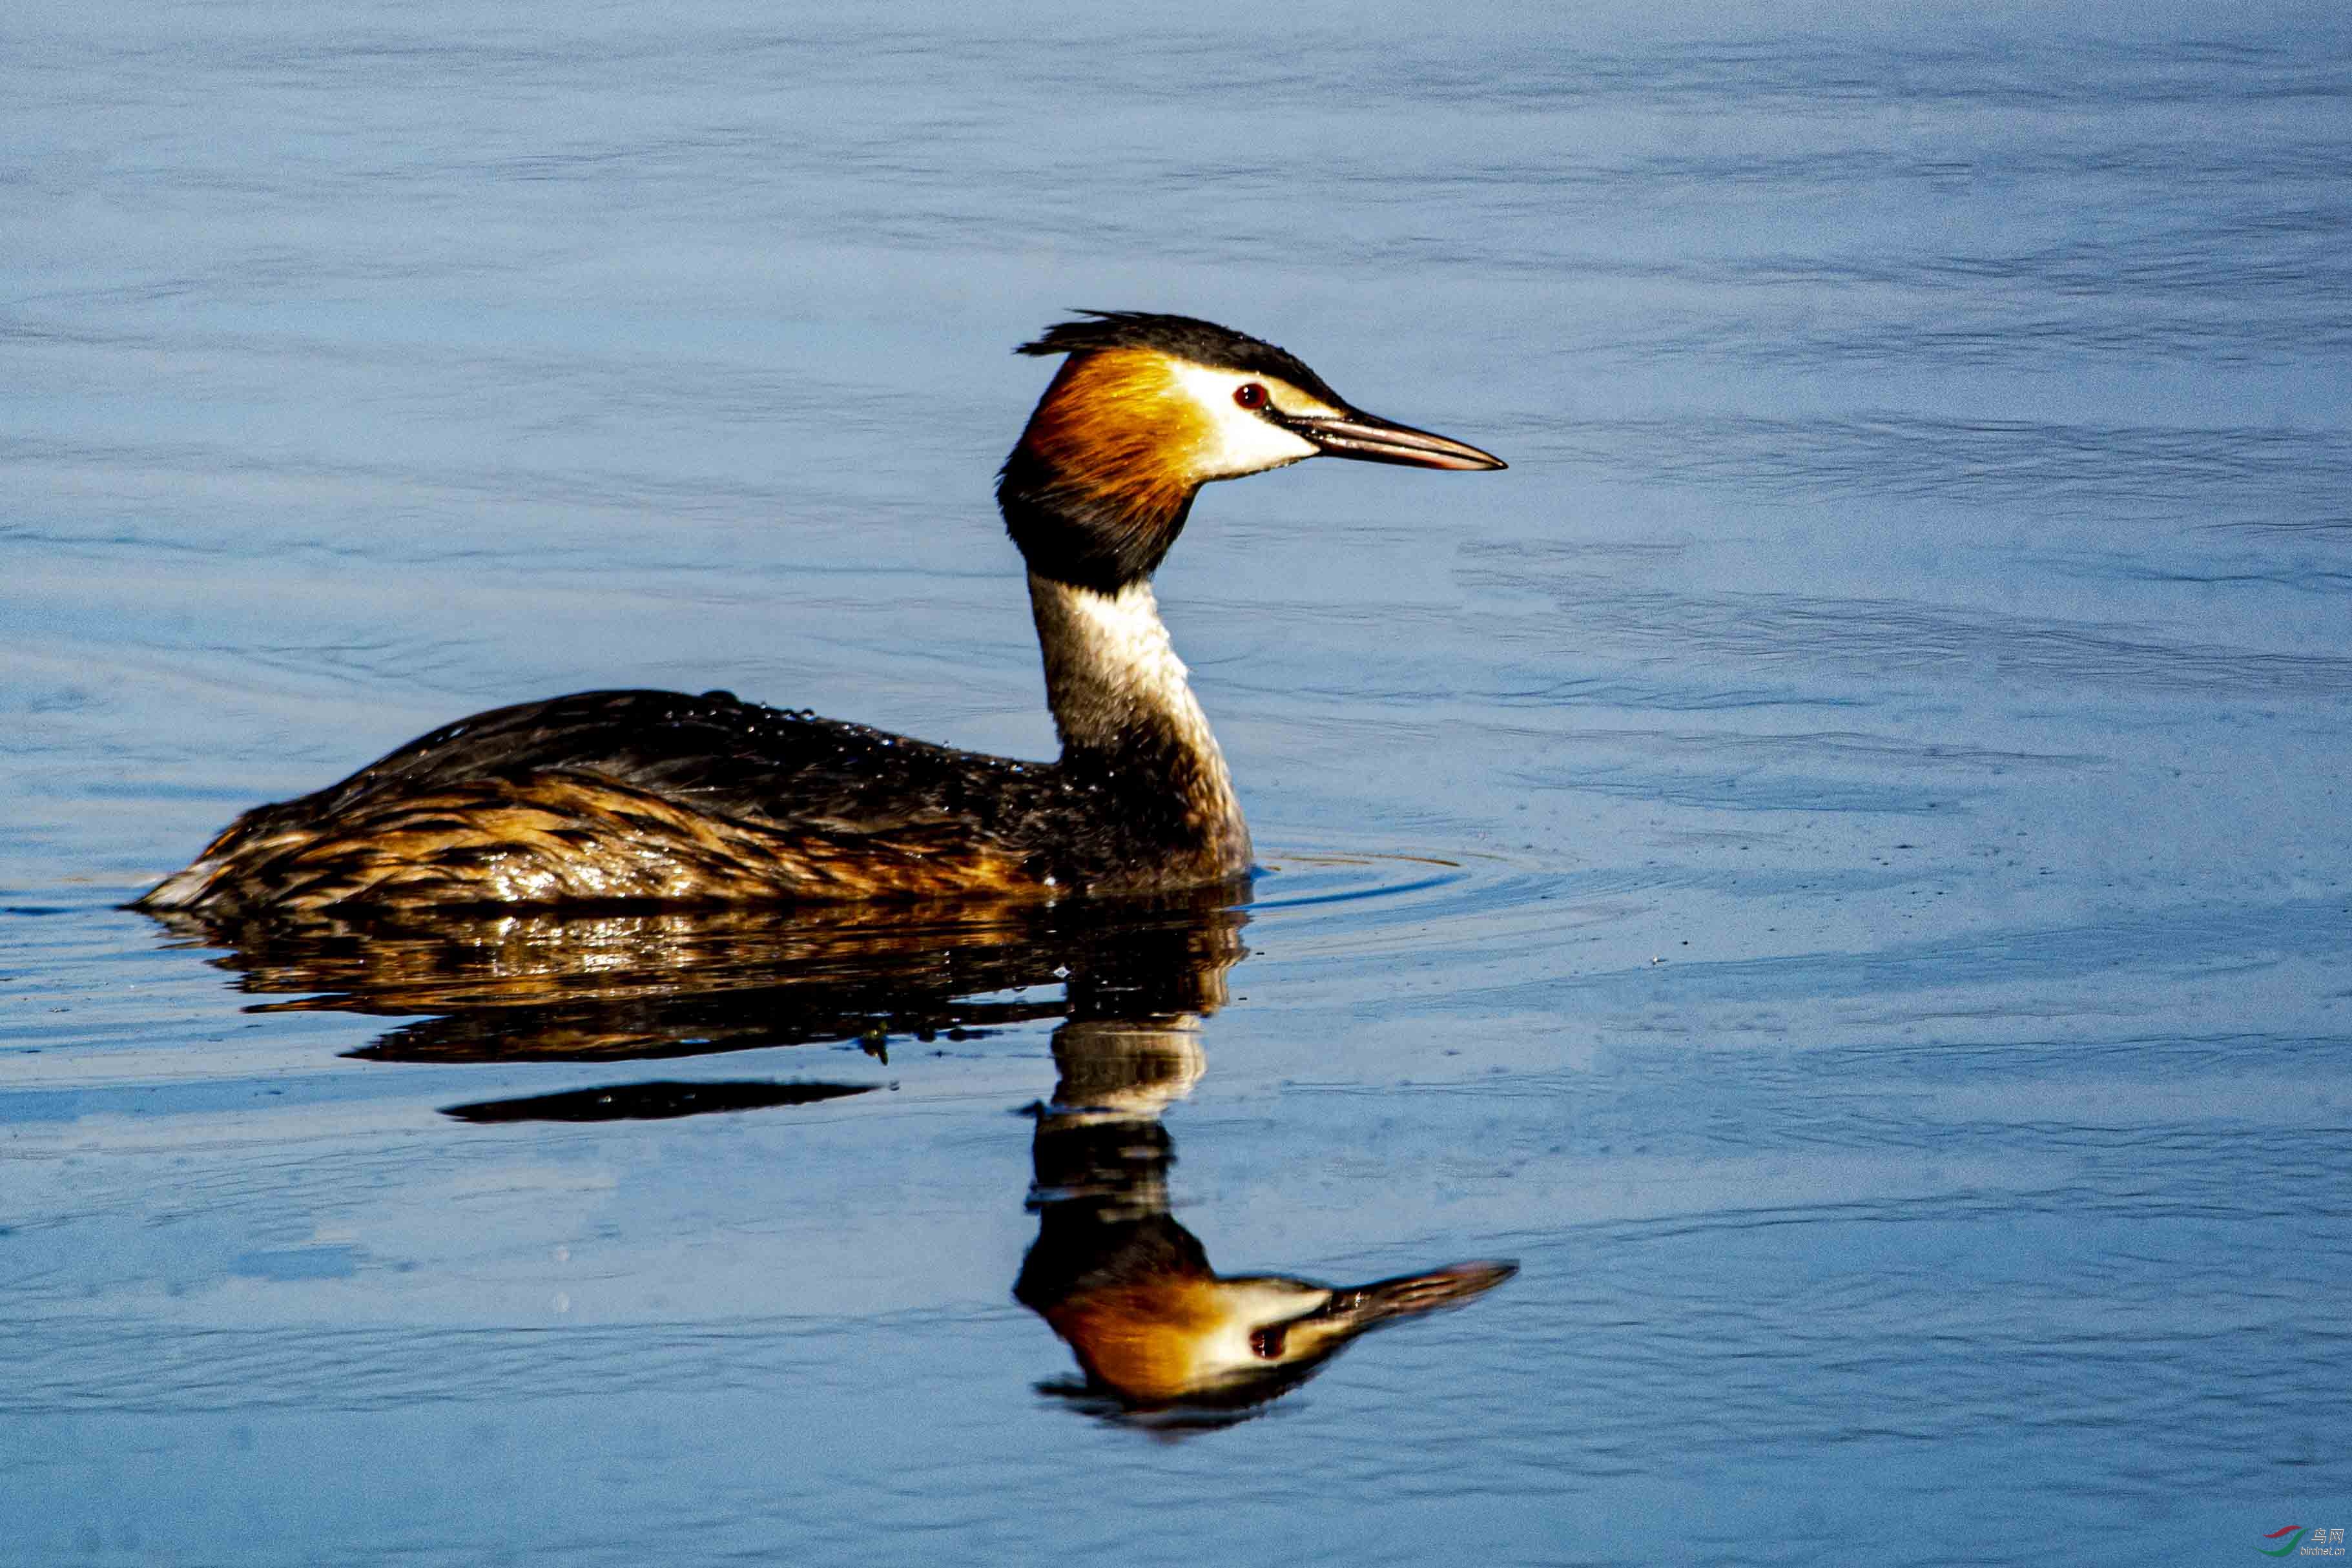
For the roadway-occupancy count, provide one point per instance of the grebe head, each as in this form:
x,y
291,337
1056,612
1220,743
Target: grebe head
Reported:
x,y
1189,1336
1146,410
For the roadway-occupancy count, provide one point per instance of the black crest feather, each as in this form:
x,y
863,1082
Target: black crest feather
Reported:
x,y
1181,337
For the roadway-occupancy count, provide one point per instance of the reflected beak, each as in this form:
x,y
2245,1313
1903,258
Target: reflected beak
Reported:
x,y
1351,1311
1372,439
1413,1294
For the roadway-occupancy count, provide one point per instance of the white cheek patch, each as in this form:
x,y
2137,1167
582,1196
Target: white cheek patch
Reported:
x,y
1248,1306
1240,441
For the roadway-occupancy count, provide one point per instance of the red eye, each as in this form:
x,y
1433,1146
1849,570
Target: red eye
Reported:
x,y
1250,394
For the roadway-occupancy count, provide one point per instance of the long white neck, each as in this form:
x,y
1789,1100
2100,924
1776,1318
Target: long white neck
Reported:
x,y
1119,697
1112,677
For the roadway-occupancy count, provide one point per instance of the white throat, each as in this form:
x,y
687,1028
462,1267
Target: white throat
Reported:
x,y
1111,676
1122,704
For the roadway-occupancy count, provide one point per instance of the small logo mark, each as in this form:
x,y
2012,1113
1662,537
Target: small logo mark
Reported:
x,y
2304,1540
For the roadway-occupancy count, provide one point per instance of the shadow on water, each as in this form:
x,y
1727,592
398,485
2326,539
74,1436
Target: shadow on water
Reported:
x,y
632,986
1161,1337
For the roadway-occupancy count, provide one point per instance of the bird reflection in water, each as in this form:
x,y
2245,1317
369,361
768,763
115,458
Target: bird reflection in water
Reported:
x,y
1157,1332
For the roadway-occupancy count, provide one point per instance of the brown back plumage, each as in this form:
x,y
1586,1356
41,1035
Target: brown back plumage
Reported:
x,y
652,797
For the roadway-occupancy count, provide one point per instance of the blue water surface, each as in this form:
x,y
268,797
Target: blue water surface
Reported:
x,y
1835,861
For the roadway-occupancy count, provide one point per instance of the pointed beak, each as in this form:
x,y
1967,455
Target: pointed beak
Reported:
x,y
1411,1295
1352,1312
1372,439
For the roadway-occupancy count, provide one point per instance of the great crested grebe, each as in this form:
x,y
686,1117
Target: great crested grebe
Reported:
x,y
660,797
